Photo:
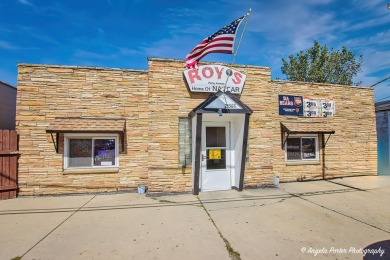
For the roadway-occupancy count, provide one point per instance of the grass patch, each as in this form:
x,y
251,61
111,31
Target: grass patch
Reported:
x,y
166,201
234,255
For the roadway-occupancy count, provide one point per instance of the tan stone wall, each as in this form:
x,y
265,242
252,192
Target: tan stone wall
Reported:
x,y
47,92
169,99
152,102
351,151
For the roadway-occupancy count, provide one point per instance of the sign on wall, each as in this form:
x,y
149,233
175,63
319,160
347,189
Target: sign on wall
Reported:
x,y
327,107
212,78
318,107
312,107
290,105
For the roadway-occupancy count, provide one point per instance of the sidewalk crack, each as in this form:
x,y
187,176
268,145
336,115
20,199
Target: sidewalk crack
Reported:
x,y
335,211
58,226
234,255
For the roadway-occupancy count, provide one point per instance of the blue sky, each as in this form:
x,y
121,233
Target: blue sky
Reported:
x,y
122,34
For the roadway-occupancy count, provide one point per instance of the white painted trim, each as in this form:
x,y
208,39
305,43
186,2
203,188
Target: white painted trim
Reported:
x,y
92,136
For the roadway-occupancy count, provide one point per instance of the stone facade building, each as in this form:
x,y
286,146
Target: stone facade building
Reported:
x,y
89,129
382,127
7,106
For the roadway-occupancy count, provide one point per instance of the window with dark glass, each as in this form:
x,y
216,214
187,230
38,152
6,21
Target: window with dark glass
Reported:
x,y
104,152
84,152
301,148
80,152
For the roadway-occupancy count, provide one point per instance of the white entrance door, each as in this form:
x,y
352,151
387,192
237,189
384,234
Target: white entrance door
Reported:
x,y
215,156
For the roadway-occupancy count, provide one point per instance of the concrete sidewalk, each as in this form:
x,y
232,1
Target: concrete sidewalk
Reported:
x,y
294,221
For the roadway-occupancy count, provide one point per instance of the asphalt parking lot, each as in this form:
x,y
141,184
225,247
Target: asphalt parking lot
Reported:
x,y
335,219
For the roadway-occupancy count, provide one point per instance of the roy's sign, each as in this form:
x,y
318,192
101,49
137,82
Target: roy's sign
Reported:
x,y
212,78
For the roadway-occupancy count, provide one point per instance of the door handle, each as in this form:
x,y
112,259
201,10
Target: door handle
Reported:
x,y
204,157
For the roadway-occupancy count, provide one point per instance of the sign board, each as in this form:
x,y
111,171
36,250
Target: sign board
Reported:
x,y
212,78
215,154
290,105
327,107
312,107
319,107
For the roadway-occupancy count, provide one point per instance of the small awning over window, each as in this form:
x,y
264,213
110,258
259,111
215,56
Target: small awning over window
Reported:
x,y
294,127
306,128
86,125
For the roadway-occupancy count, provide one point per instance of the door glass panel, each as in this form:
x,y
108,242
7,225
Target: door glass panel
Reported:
x,y
215,137
216,164
215,148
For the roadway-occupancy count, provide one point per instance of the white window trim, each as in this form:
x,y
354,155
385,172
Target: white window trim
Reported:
x,y
92,136
317,159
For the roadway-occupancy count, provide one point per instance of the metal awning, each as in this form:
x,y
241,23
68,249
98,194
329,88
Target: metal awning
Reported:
x,y
295,127
86,125
299,127
307,128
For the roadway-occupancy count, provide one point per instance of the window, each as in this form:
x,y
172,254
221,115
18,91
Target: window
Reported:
x,y
302,149
185,141
90,151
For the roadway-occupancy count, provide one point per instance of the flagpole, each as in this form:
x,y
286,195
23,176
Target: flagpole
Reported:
x,y
238,46
243,30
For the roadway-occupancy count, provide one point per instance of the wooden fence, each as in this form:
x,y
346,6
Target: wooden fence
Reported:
x,y
8,164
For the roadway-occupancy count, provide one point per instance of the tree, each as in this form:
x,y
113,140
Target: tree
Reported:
x,y
319,64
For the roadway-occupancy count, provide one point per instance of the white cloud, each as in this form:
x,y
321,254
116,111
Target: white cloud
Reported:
x,y
129,52
93,55
382,91
375,61
370,22
363,41
168,48
25,2
7,45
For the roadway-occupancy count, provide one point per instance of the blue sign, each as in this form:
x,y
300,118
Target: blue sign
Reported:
x,y
290,105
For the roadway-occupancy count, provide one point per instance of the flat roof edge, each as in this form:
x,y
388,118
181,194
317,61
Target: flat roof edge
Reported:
x,y
208,62
79,67
7,85
318,84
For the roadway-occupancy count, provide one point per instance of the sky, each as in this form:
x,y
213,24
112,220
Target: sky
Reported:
x,y
124,33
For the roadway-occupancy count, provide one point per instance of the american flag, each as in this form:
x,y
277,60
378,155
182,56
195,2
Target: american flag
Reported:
x,y
220,42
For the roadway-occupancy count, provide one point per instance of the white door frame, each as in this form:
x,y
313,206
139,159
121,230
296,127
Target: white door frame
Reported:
x,y
217,179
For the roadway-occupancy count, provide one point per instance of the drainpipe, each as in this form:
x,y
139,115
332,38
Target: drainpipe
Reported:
x,y
323,156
